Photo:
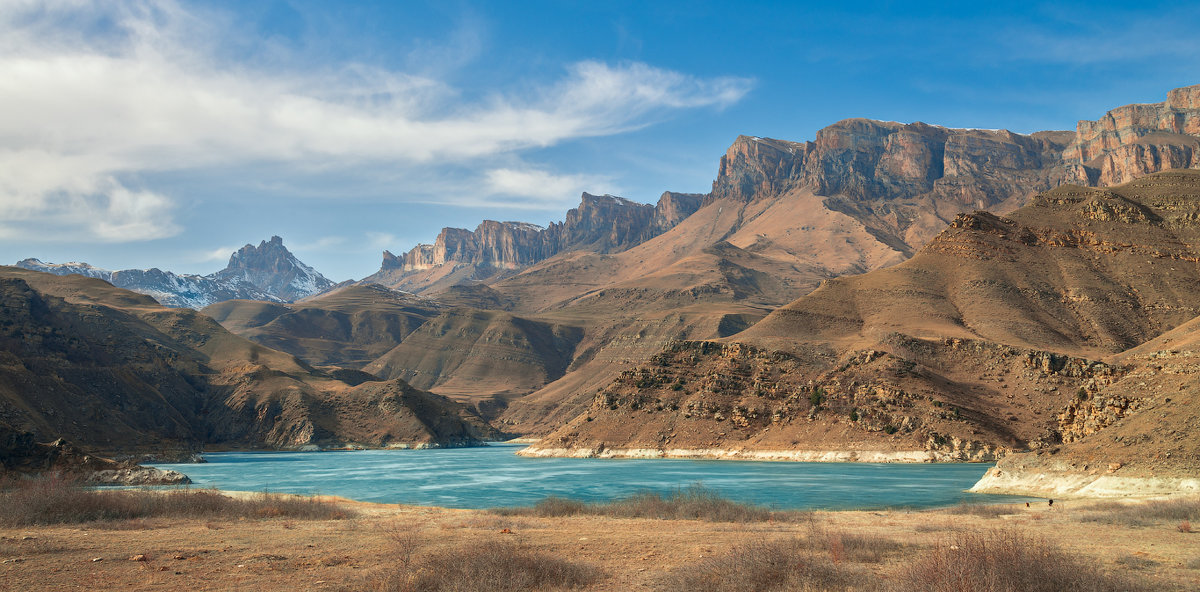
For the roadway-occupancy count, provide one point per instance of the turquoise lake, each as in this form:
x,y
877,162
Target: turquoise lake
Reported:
x,y
492,476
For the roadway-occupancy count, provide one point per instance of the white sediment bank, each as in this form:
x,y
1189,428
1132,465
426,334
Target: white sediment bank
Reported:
x,y
869,456
1079,484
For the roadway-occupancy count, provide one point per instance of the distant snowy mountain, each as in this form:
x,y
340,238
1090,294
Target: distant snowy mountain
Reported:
x,y
274,270
268,272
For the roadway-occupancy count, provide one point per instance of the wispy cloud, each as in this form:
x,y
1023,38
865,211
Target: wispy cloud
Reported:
x,y
538,189
93,95
218,254
1113,36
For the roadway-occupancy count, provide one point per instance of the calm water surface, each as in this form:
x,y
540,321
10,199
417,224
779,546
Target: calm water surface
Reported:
x,y
494,476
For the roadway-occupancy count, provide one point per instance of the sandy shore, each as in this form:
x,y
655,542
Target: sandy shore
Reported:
x,y
634,554
867,456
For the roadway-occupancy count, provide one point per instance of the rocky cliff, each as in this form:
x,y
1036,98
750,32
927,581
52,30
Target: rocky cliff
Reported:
x,y
903,181
1135,140
268,272
601,224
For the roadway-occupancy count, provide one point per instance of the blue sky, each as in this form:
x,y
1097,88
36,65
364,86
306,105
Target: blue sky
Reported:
x,y
167,134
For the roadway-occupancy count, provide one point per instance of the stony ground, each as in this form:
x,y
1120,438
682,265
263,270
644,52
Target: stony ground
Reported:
x,y
634,554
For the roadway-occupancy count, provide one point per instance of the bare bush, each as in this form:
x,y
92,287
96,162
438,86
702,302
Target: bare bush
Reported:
x,y
55,500
765,566
491,566
1005,561
860,548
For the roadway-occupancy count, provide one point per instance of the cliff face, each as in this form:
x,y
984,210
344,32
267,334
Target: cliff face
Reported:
x,y
902,181
601,224
875,160
1136,140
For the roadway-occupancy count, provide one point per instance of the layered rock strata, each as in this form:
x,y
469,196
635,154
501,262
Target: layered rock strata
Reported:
x,y
601,224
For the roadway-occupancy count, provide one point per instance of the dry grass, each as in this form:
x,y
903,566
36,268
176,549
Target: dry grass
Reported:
x,y
1005,561
1135,562
692,503
28,545
54,500
986,510
1176,510
491,566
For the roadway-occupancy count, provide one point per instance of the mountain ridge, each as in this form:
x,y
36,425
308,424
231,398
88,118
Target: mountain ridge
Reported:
x,y
268,272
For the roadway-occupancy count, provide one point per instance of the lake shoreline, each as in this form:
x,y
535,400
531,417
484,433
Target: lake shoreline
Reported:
x,y
822,456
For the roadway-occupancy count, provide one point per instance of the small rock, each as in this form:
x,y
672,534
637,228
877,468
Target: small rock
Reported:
x,y
28,538
138,557
95,559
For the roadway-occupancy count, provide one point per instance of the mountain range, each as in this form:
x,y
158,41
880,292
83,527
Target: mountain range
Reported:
x,y
268,272
885,291
115,372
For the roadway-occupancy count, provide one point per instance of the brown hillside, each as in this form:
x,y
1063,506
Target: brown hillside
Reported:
x,y
975,346
112,371
348,327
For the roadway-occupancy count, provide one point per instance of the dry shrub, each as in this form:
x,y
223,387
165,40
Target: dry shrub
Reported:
x,y
765,566
555,506
491,566
1142,513
854,547
1005,561
692,503
55,500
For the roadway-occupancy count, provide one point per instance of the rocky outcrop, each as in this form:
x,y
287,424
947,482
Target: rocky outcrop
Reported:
x,y
868,160
909,401
268,272
20,453
1135,140
601,224
904,181
272,268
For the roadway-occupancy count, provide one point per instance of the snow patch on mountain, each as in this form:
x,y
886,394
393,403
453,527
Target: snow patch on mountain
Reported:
x,y
268,272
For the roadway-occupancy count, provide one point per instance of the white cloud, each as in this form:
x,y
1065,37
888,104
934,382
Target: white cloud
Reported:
x,y
94,92
538,189
381,240
220,254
